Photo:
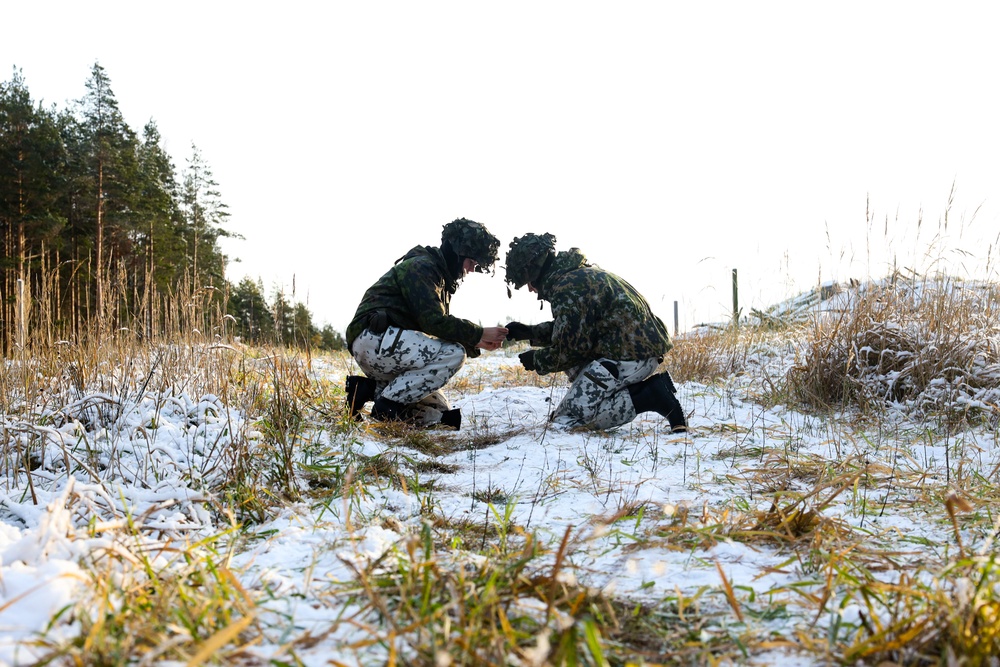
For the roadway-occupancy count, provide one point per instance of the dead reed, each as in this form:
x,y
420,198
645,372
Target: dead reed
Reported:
x,y
926,344
897,377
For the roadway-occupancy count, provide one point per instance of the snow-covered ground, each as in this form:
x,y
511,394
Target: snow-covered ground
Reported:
x,y
621,495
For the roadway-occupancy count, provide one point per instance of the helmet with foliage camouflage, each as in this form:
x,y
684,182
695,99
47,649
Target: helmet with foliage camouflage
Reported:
x,y
469,238
527,256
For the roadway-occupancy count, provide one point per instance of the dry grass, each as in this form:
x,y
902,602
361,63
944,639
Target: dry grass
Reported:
x,y
928,344
485,590
523,602
708,356
171,605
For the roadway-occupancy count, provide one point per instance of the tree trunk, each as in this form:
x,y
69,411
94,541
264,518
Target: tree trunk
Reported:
x,y
99,272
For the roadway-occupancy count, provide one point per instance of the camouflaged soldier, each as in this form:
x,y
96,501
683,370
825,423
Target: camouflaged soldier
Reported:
x,y
603,336
406,340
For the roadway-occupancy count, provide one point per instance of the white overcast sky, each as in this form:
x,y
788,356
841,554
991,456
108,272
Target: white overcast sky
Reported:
x,y
671,142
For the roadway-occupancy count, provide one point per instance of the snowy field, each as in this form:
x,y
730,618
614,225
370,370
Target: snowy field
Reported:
x,y
739,517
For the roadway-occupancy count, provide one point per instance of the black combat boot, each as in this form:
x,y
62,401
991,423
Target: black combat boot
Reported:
x,y
452,418
654,395
387,410
360,390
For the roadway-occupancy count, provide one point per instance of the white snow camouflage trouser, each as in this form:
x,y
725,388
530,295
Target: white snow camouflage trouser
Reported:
x,y
410,367
598,398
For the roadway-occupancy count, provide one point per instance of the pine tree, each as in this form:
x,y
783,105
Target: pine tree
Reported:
x,y
254,321
284,319
31,154
158,213
159,258
85,206
303,332
106,177
204,215
331,340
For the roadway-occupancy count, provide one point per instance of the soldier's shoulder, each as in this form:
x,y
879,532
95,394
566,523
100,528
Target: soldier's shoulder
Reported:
x,y
583,275
426,264
418,256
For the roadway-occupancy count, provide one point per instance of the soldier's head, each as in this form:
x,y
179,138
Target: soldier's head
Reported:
x,y
527,258
468,239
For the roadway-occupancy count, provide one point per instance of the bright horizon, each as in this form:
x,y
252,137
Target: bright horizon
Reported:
x,y
671,143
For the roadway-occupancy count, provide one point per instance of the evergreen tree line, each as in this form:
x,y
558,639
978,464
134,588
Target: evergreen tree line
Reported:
x,y
279,321
101,232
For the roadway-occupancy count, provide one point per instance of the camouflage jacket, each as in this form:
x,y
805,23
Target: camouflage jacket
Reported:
x,y
596,315
416,294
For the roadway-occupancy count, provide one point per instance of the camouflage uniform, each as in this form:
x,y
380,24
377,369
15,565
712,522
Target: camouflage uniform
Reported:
x,y
603,335
403,335
410,367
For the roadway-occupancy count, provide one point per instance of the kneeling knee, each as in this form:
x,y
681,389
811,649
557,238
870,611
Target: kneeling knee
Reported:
x,y
453,355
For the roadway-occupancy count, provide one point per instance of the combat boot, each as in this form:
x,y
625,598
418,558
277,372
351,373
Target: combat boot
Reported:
x,y
452,418
388,410
654,395
359,390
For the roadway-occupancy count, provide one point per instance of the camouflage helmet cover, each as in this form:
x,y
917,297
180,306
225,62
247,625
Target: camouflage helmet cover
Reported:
x,y
469,238
527,256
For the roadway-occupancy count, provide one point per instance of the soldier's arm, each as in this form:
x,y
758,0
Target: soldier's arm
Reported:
x,y
569,341
541,334
423,292
538,335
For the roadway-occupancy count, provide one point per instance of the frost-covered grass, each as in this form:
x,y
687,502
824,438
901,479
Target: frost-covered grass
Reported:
x,y
206,503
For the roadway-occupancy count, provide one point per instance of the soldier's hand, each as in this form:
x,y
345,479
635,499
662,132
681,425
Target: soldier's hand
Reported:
x,y
518,331
492,338
527,360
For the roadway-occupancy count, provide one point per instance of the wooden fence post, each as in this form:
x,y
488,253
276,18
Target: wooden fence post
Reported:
x,y
736,300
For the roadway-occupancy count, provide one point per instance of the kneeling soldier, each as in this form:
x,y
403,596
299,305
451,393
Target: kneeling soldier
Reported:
x,y
404,337
603,336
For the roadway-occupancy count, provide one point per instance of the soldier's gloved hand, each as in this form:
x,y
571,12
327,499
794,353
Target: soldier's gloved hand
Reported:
x,y
527,360
518,331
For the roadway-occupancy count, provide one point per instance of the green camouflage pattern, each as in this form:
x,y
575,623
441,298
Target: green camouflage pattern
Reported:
x,y
416,294
469,238
595,315
526,258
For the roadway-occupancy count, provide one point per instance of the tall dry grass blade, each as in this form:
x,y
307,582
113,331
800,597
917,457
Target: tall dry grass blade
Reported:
x,y
730,593
211,647
953,504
